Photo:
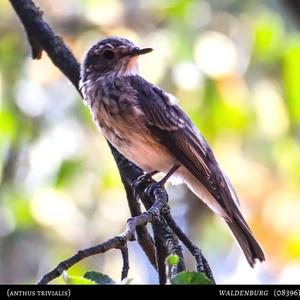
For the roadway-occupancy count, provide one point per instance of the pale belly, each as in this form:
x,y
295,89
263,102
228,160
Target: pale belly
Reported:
x,y
142,151
150,156
138,146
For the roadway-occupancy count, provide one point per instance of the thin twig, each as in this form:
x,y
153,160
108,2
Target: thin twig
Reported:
x,y
125,268
174,248
152,215
162,234
143,236
165,239
202,264
114,243
129,172
161,252
117,242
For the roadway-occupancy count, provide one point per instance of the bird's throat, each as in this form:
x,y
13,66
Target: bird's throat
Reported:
x,y
131,68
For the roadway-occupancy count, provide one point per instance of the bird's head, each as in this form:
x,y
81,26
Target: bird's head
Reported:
x,y
112,55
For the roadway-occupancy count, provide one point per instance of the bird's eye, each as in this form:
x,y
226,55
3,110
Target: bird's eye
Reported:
x,y
108,54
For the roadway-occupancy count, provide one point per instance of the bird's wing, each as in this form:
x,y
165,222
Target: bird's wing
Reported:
x,y
173,129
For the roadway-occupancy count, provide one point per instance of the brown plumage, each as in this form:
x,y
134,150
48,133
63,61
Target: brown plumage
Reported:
x,y
147,126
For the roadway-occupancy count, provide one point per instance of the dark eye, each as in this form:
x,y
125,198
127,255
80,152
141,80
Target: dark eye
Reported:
x,y
108,54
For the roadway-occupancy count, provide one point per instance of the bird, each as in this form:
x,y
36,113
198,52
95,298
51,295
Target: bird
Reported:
x,y
147,126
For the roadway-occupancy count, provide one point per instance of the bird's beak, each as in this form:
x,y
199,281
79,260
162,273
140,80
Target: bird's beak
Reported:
x,y
139,51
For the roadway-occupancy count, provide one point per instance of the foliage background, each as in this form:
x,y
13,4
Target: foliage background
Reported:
x,y
234,65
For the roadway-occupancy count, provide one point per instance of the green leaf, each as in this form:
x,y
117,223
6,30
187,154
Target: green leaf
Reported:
x,y
172,260
190,278
128,281
79,280
98,278
76,279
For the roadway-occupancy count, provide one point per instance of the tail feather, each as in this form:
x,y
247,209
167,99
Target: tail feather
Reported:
x,y
245,239
231,215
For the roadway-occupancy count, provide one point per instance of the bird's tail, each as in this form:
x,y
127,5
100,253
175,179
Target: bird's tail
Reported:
x,y
234,219
245,238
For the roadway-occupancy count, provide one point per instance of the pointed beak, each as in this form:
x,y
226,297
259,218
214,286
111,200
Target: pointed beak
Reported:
x,y
139,51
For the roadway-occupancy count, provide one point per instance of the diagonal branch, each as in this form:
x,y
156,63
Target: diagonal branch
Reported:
x,y
114,243
202,264
118,242
129,172
41,37
125,267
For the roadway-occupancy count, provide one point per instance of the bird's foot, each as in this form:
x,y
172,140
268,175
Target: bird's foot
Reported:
x,y
151,188
146,183
160,184
142,182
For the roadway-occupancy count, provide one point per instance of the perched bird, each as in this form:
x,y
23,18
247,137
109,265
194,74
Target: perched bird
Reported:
x,y
147,126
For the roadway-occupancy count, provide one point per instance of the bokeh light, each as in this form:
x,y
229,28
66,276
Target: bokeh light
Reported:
x,y
216,55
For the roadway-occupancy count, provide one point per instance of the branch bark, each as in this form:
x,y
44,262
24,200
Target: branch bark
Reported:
x,y
41,38
118,242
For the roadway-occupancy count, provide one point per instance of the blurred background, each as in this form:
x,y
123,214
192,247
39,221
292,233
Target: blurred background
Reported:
x,y
234,66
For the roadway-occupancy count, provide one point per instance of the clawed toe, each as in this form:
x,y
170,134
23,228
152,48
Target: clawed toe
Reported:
x,y
142,181
151,188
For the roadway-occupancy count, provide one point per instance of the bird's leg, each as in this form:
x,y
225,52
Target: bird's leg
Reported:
x,y
168,175
154,185
147,181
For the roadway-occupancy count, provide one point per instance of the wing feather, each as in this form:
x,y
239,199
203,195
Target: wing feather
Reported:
x,y
173,129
